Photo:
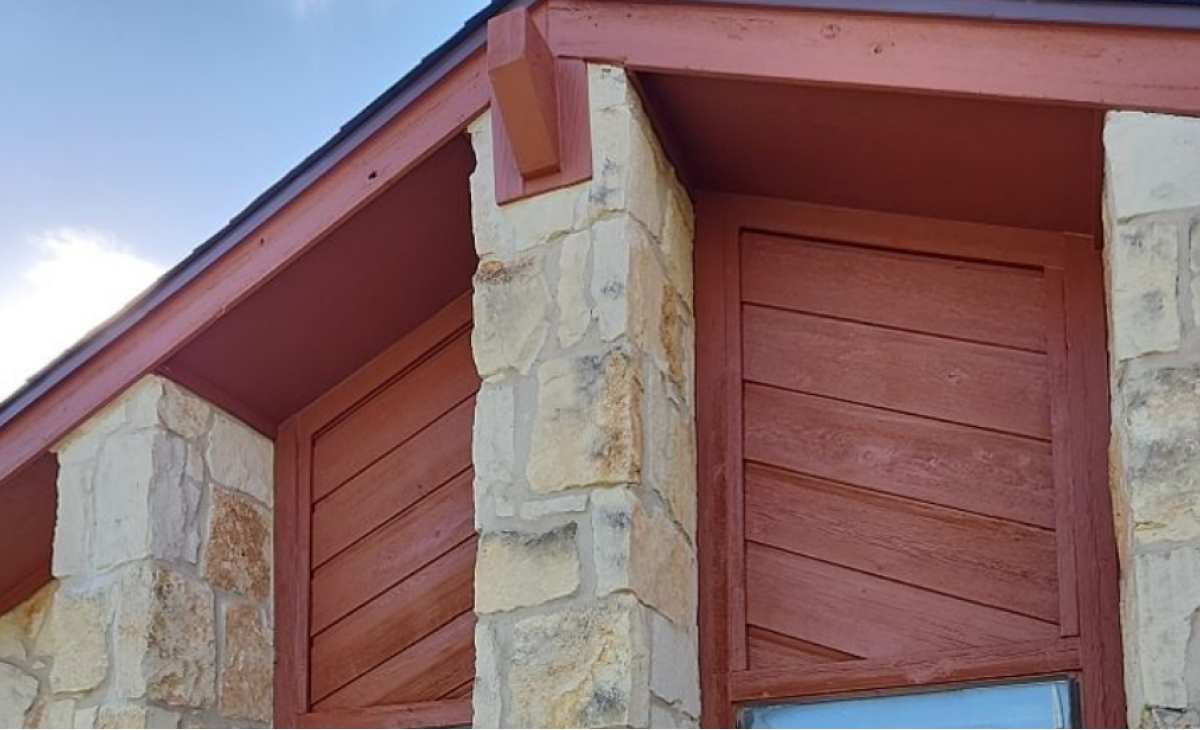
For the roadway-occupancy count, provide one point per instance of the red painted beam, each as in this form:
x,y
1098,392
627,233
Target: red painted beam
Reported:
x,y
1105,67
521,69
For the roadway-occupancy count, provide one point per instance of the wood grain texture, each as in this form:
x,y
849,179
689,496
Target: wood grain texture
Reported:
x,y
394,483
972,301
396,619
976,471
395,551
438,713
431,667
951,380
868,616
925,669
997,563
394,415
769,650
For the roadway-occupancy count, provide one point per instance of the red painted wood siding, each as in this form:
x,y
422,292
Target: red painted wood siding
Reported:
x,y
896,485
387,579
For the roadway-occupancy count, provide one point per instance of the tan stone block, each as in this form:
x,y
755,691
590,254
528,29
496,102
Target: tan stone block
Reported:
x,y
73,525
1166,596
572,503
1143,271
674,664
75,635
490,673
671,453
518,569
240,458
18,690
135,716
677,243
642,552
246,674
237,548
493,449
21,625
86,717
1160,422
59,714
165,641
511,302
574,309
587,429
1152,163
580,668
183,412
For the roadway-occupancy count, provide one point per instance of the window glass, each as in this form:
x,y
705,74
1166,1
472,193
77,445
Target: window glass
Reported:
x,y
1027,705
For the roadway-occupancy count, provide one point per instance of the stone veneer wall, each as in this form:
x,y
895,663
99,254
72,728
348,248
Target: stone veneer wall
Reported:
x,y
161,613
585,439
1152,217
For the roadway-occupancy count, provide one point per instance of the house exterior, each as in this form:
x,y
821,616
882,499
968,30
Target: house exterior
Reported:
x,y
654,364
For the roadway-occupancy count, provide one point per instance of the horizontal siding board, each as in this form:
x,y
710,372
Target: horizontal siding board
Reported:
x,y
965,382
390,623
941,463
394,483
998,563
769,650
433,666
973,301
869,616
392,416
393,552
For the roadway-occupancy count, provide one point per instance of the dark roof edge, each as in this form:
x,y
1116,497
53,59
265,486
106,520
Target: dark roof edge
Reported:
x,y
1183,14
469,39
1164,14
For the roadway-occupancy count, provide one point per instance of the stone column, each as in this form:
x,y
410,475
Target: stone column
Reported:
x,y
161,615
1152,221
584,438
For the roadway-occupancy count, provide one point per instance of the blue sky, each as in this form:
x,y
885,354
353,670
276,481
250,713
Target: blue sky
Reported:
x,y
132,130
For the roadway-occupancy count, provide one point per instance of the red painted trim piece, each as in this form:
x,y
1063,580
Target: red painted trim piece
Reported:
x,y
442,713
1093,66
395,150
521,70
541,131
943,667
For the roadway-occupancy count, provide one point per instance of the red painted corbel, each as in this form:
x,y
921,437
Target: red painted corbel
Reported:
x,y
540,126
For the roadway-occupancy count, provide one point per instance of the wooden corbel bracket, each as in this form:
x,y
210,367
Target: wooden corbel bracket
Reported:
x,y
541,130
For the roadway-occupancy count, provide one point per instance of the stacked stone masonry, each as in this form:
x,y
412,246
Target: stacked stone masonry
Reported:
x,y
585,438
1152,217
160,615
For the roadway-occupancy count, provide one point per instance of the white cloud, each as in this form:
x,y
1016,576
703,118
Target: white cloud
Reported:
x,y
76,279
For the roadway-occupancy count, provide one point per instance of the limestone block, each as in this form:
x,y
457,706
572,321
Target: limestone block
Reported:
x,y
1166,596
580,668
671,453
165,641
674,665
237,548
1143,266
518,569
493,449
247,665
182,412
1153,163
575,311
571,503
136,409
511,302
125,474
240,458
73,524
135,716
59,714
642,552
677,243
18,691
75,634
1195,267
490,673
1161,423
587,429
19,628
